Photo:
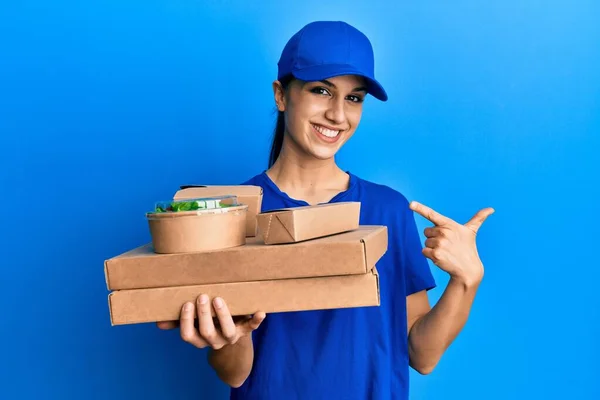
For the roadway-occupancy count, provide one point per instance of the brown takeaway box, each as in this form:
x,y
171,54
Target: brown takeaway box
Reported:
x,y
246,194
186,231
303,223
163,304
354,252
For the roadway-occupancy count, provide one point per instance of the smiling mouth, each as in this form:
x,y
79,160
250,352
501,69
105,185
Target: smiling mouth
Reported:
x,y
329,133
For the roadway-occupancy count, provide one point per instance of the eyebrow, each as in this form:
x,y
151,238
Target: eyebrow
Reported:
x,y
356,89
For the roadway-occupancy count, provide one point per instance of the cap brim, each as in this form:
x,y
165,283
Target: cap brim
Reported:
x,y
320,72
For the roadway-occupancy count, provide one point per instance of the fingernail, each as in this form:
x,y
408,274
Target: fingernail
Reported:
x,y
187,307
218,302
203,299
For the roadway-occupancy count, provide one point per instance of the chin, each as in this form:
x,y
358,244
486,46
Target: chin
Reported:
x,y
321,153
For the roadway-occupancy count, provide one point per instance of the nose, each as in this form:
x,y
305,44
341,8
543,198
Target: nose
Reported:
x,y
336,113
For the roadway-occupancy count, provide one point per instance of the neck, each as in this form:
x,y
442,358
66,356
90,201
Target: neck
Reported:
x,y
304,177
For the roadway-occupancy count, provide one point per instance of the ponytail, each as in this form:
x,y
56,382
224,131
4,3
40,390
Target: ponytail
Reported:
x,y
277,138
279,130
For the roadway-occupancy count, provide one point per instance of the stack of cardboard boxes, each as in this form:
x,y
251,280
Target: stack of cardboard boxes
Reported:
x,y
306,258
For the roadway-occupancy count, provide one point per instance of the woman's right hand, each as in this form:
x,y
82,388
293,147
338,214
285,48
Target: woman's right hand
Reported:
x,y
208,334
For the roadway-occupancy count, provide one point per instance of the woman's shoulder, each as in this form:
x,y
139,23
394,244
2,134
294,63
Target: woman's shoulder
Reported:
x,y
255,180
382,194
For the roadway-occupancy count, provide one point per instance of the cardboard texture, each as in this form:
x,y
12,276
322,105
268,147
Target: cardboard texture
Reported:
x,y
193,231
243,298
304,223
246,194
353,252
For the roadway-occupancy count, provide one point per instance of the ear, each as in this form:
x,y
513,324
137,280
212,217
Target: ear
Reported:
x,y
279,94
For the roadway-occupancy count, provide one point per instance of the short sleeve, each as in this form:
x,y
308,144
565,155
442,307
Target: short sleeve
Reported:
x,y
417,274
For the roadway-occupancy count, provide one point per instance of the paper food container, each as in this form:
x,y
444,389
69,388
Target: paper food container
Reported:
x,y
195,225
282,295
246,194
297,224
349,253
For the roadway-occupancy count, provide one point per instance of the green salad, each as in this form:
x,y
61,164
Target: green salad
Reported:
x,y
191,205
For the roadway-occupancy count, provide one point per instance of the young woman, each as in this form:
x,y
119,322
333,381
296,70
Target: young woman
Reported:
x,y
325,72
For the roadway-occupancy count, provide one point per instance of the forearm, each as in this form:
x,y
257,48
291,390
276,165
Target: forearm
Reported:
x,y
233,363
431,334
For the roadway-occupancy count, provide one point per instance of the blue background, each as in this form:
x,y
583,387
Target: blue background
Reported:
x,y
108,106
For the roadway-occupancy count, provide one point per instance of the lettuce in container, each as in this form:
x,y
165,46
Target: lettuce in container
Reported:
x,y
200,224
206,203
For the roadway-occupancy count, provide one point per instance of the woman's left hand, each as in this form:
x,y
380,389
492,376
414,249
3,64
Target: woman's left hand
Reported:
x,y
451,246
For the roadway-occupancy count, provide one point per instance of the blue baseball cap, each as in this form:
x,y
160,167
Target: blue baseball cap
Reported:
x,y
324,49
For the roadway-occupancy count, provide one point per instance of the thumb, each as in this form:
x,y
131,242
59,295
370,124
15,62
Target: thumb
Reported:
x,y
254,322
167,324
475,223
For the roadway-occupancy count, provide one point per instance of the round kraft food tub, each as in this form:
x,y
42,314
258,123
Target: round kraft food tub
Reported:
x,y
198,230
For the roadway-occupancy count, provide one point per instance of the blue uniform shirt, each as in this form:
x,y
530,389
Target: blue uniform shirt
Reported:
x,y
354,353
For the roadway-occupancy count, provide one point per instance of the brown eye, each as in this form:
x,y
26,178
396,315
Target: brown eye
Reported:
x,y
320,90
355,99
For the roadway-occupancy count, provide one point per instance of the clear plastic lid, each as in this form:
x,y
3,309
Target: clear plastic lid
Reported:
x,y
204,203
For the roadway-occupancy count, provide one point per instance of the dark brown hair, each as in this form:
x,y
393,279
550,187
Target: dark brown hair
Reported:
x,y
279,130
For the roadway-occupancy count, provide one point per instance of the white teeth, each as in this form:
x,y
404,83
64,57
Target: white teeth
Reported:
x,y
326,132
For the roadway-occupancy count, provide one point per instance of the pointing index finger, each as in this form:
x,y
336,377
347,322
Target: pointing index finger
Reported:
x,y
428,213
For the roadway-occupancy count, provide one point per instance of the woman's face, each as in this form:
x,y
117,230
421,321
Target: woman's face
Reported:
x,y
321,116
